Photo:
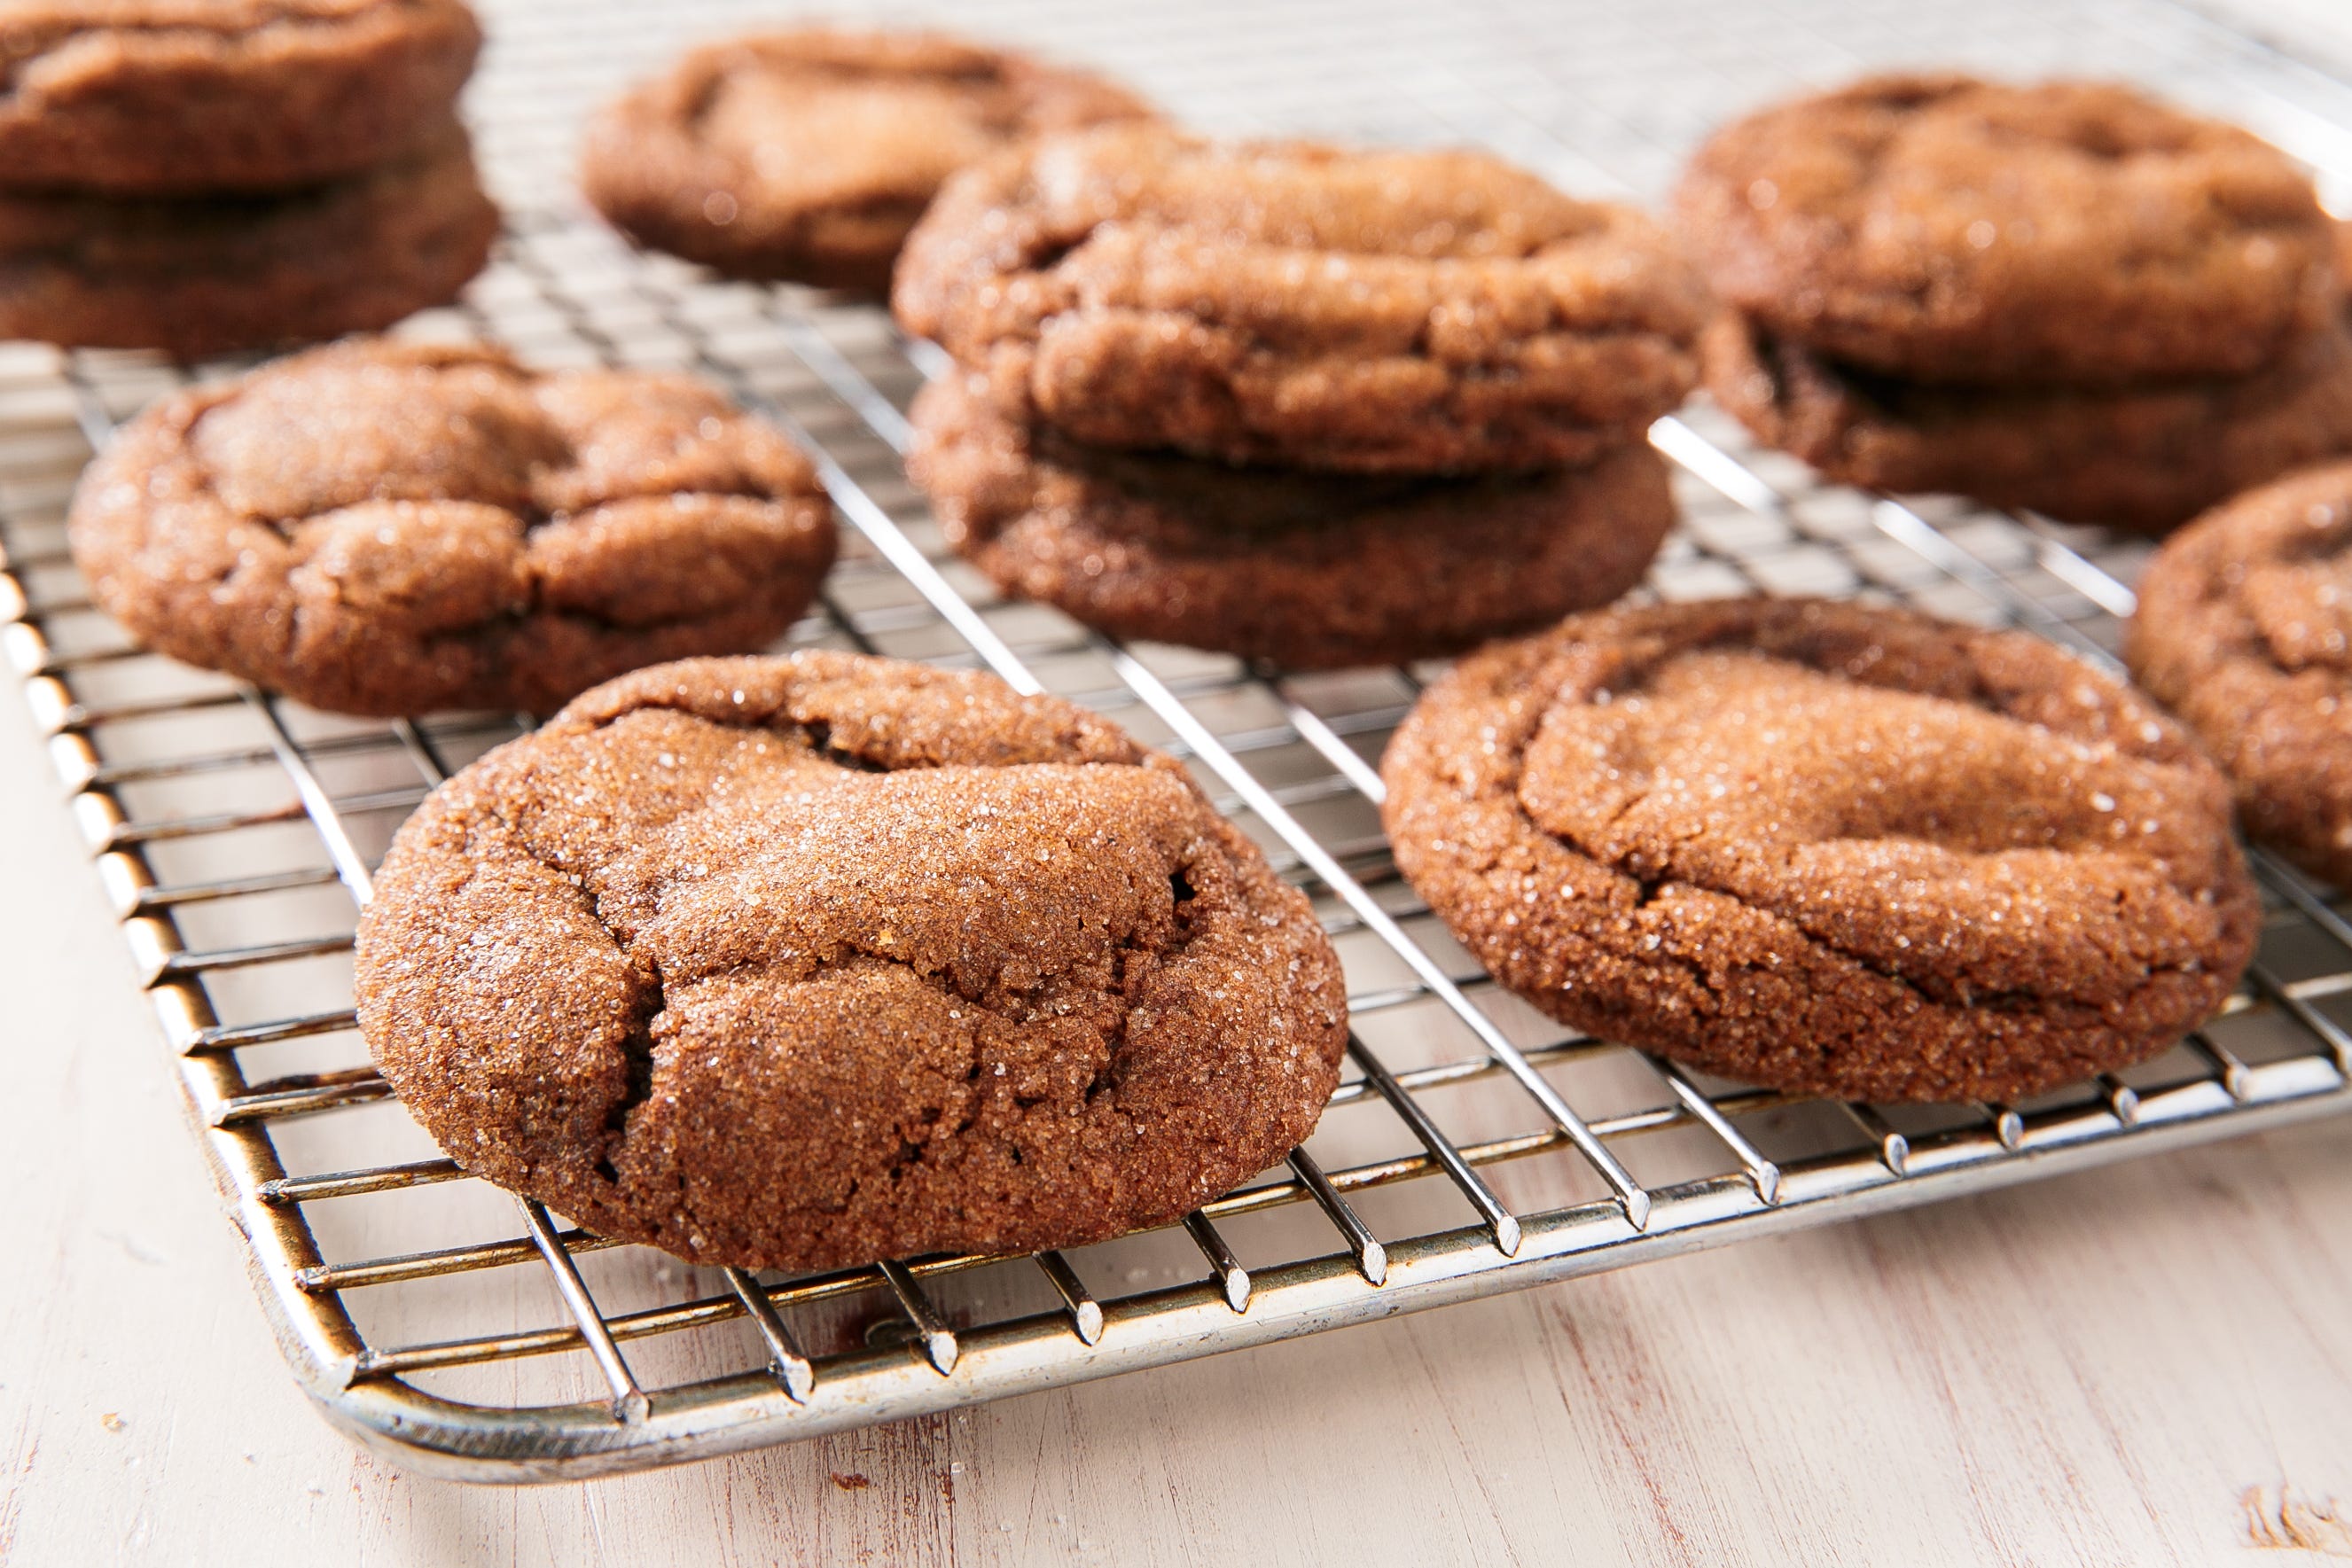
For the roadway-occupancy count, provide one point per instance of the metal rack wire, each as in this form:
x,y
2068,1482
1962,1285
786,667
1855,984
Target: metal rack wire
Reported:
x,y
1475,1148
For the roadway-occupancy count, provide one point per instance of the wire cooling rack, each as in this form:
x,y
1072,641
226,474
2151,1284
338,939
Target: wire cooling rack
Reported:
x,y
1474,1147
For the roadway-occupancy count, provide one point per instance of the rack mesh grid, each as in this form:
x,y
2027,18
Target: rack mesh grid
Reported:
x,y
1474,1146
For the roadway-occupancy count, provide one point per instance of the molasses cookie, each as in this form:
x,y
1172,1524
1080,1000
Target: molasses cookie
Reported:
x,y
2244,628
380,528
808,155
169,98
212,276
2146,457
811,962
1291,304
1310,571
1946,229
1826,848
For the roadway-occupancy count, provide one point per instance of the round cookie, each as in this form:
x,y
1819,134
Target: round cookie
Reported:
x,y
1309,570
2244,628
807,155
812,962
380,528
174,97
1946,229
1826,848
216,276
1301,306
2145,457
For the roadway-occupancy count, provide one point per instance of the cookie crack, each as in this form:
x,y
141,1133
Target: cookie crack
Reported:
x,y
533,608
913,1154
638,1053
818,734
1014,1005
1023,1007
1649,887
650,997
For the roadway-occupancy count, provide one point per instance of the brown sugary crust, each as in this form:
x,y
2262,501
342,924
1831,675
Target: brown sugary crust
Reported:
x,y
807,963
2146,457
807,155
1826,848
2244,628
1302,306
379,528
1946,229
177,98
1309,570
220,274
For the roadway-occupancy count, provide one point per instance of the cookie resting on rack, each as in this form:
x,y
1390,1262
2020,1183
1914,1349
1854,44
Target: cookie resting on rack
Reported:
x,y
1309,570
385,528
166,98
1303,306
1956,231
810,962
1826,848
807,155
216,275
2244,628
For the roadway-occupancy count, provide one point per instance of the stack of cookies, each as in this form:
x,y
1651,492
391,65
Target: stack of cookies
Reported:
x,y
200,179
1309,405
2065,296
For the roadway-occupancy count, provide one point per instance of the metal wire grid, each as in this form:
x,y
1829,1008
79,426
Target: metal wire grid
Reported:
x,y
1475,1147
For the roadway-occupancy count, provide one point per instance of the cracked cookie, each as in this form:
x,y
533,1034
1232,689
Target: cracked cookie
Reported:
x,y
1946,229
1826,848
2244,628
808,155
382,528
2146,457
1302,306
172,98
812,962
1310,571
208,276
